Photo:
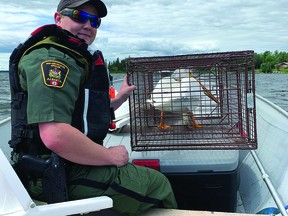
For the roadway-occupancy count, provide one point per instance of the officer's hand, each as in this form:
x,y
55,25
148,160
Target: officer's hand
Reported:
x,y
126,89
119,155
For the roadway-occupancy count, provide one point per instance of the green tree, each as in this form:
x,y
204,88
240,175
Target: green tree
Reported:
x,y
282,57
258,60
117,66
265,62
266,67
269,61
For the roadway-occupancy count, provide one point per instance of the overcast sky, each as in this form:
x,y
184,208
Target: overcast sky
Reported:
x,y
161,27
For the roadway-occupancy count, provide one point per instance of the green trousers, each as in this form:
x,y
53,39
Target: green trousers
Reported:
x,y
133,189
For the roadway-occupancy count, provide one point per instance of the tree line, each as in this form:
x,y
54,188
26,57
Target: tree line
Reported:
x,y
266,62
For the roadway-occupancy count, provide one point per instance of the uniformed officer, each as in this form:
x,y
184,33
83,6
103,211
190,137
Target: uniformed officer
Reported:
x,y
55,77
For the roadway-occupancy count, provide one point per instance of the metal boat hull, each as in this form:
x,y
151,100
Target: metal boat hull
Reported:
x,y
260,186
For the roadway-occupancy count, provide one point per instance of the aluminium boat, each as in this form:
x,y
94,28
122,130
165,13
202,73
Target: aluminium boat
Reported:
x,y
246,181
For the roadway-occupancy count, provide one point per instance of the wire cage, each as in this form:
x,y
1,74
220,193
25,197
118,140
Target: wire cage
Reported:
x,y
193,102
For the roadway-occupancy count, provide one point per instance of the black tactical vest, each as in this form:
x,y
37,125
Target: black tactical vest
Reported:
x,y
92,112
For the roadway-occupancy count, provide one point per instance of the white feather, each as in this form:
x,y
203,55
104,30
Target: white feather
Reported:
x,y
178,93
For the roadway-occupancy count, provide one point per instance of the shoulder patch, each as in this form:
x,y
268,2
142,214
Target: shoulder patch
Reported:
x,y
54,73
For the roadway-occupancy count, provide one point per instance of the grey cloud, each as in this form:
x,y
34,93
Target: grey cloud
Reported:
x,y
164,27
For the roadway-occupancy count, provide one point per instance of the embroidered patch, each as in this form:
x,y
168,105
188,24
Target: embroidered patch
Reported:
x,y
54,73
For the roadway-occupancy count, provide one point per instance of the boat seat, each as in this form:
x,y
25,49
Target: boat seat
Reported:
x,y
15,200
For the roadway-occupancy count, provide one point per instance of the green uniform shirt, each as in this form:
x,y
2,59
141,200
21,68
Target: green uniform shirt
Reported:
x,y
52,80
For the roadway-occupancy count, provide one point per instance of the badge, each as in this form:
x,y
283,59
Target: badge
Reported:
x,y
54,73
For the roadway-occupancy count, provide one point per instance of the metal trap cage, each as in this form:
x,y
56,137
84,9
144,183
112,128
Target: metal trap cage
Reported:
x,y
193,102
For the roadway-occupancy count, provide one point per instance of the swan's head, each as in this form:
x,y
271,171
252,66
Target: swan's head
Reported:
x,y
181,73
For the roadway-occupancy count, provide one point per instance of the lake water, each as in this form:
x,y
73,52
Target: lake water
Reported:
x,y
4,96
273,87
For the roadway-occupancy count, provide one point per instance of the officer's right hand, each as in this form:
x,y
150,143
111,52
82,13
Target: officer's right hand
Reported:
x,y
119,155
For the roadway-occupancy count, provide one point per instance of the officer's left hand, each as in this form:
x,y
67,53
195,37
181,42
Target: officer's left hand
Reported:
x,y
118,155
125,89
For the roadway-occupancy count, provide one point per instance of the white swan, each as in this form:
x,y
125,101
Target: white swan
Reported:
x,y
181,93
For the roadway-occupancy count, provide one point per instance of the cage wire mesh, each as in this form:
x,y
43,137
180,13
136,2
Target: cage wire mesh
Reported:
x,y
193,102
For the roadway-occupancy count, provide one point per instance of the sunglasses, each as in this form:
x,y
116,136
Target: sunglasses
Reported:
x,y
82,17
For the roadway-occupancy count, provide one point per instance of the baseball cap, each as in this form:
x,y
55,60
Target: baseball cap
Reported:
x,y
99,5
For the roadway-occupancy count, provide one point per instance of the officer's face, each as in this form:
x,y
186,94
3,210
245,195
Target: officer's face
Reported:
x,y
83,30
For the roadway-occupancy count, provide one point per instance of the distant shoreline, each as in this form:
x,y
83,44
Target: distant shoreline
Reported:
x,y
4,71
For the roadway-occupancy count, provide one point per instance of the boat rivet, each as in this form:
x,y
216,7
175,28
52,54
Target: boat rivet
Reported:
x,y
33,205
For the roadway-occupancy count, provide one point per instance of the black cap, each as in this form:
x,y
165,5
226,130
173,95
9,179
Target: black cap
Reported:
x,y
99,5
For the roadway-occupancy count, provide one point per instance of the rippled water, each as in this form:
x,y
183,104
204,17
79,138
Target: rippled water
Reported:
x,y
273,87
4,96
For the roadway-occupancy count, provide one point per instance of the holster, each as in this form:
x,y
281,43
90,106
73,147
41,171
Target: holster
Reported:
x,y
53,175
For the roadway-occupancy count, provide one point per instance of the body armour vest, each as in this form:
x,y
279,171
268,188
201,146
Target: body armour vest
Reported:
x,y
92,111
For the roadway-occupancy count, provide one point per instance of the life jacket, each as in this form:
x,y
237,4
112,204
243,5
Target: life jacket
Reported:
x,y
92,112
